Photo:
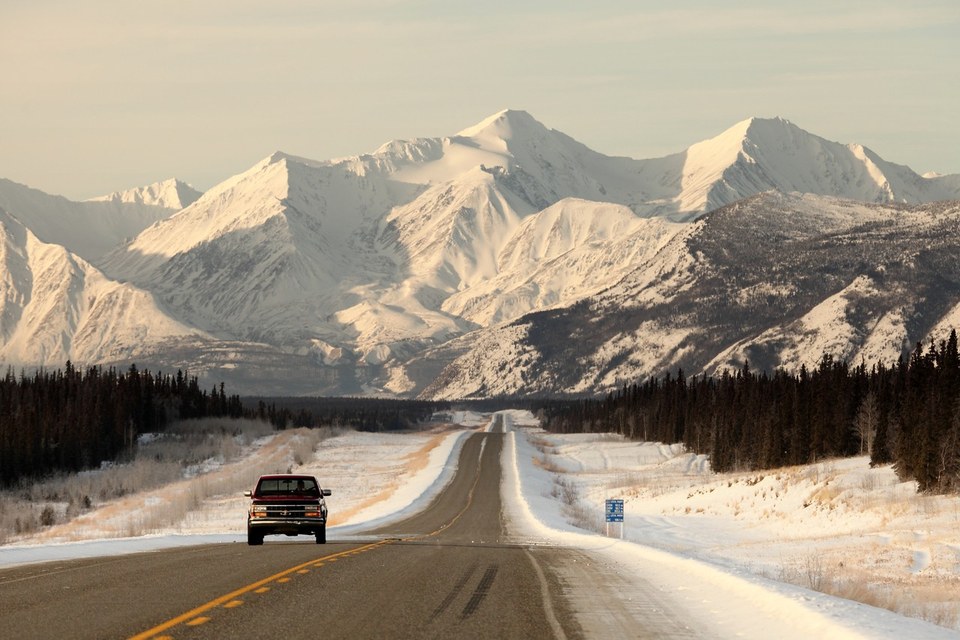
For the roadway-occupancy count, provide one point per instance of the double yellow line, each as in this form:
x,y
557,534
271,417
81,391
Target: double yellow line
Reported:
x,y
228,599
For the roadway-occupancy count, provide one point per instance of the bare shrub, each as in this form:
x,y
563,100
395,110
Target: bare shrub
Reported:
x,y
626,479
809,572
814,572
568,493
188,448
48,517
867,594
584,517
303,446
566,490
16,517
904,602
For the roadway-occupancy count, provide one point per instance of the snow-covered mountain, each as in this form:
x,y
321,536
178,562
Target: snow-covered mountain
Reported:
x,y
168,194
759,155
88,229
776,280
55,306
373,273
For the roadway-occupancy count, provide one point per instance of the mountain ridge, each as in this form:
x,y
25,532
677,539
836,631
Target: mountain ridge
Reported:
x,y
169,194
354,272
858,281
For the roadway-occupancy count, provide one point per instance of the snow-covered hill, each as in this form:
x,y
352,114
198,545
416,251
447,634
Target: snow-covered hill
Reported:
x,y
364,274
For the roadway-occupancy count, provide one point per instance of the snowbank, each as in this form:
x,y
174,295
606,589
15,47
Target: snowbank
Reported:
x,y
722,595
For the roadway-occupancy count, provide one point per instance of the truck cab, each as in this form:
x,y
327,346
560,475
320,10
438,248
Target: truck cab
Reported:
x,y
288,504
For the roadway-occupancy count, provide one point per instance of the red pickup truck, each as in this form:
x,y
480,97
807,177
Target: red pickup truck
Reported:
x,y
287,504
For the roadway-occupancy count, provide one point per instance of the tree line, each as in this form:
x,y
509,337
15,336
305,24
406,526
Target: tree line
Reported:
x,y
907,414
69,420
72,419
361,414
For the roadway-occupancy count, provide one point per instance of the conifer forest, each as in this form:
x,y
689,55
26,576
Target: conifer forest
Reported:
x,y
907,414
68,420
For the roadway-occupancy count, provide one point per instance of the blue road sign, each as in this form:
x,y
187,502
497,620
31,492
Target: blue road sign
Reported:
x,y
614,510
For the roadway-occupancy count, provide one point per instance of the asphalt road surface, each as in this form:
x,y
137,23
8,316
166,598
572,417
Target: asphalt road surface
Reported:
x,y
448,572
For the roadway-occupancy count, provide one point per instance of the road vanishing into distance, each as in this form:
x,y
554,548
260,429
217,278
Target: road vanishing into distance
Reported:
x,y
448,572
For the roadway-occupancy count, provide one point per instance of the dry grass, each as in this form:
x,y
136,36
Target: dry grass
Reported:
x,y
421,457
170,476
542,444
888,576
544,462
934,603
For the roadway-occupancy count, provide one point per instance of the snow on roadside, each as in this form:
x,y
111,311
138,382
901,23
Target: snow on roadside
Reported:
x,y
720,590
410,491
391,474
708,542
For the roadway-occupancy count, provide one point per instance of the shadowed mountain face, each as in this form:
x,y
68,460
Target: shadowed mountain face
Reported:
x,y
508,258
776,280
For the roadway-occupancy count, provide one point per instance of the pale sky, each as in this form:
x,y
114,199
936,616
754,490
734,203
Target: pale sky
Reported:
x,y
102,95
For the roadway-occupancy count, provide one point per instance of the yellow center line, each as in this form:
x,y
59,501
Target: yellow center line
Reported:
x,y
258,587
466,506
232,604
255,586
198,621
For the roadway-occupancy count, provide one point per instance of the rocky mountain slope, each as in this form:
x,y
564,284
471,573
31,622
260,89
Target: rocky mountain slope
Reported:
x,y
55,306
373,273
773,280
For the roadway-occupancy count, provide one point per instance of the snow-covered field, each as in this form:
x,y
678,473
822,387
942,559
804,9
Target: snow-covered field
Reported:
x,y
750,555
742,555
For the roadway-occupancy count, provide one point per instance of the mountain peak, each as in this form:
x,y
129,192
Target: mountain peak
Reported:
x,y
282,156
504,124
170,194
276,156
759,130
772,128
759,140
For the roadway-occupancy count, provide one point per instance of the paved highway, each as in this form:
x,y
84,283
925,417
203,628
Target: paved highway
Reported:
x,y
448,572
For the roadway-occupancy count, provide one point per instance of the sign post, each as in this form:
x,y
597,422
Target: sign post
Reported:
x,y
614,511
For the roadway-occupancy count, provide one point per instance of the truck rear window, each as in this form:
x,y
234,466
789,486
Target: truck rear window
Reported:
x,y
287,486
